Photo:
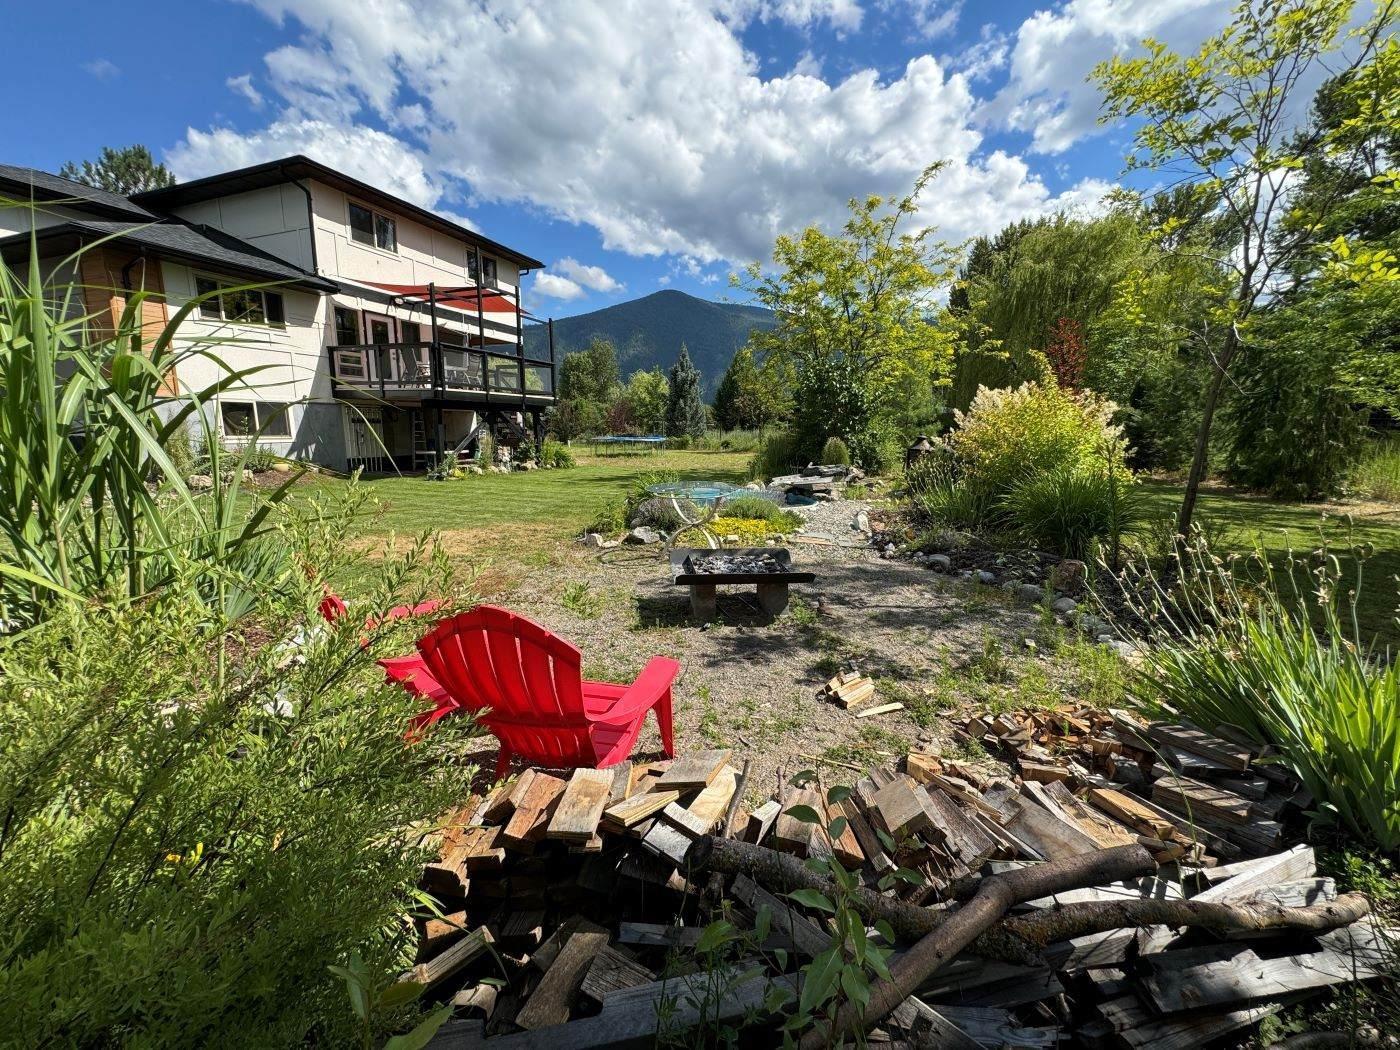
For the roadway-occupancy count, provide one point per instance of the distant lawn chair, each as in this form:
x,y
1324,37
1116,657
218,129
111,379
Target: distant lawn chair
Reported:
x,y
526,686
333,608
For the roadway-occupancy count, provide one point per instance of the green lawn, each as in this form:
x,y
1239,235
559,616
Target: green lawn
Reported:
x,y
505,514
506,518
1246,521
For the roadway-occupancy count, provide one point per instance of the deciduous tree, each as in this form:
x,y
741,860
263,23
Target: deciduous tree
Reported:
x,y
1223,119
857,319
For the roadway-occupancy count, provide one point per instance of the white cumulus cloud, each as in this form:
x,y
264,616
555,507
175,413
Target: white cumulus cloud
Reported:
x,y
594,277
652,123
243,85
555,287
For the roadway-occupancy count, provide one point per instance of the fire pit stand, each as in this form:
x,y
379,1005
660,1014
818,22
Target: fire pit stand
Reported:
x,y
770,568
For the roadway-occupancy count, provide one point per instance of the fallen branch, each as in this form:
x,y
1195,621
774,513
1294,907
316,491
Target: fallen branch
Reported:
x,y
783,873
993,899
1076,920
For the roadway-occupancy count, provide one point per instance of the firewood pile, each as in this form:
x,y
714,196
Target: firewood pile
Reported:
x,y
1081,909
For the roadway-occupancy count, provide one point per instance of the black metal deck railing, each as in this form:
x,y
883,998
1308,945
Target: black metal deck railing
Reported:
x,y
438,370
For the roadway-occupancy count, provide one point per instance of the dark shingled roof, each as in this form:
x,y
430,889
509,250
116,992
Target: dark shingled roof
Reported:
x,y
32,184
200,244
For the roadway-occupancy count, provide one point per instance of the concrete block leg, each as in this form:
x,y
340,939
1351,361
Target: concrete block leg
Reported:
x,y
702,601
773,597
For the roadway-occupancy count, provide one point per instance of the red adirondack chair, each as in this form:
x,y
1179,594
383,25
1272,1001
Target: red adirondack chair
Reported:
x,y
529,691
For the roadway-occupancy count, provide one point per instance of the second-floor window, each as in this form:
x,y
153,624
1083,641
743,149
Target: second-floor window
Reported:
x,y
347,326
370,227
488,266
244,305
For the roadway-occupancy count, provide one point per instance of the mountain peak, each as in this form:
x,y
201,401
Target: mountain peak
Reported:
x,y
648,332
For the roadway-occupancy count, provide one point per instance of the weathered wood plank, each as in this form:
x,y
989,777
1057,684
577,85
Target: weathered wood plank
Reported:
x,y
806,937
694,772
552,998
708,807
636,808
1198,742
534,802
1241,880
761,821
580,806
441,967
612,971
899,810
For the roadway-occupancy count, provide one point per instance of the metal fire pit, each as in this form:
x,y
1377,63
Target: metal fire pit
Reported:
x,y
701,569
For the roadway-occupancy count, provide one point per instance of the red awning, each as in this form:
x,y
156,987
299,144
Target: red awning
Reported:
x,y
461,298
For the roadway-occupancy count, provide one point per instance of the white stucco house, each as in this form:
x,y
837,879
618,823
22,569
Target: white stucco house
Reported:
x,y
384,334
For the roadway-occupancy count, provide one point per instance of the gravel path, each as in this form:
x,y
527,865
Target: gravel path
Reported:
x,y
750,683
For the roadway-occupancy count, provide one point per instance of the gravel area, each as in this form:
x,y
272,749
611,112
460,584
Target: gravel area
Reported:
x,y
750,683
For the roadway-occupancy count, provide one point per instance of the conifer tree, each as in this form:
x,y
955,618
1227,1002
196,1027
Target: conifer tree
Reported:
x,y
685,412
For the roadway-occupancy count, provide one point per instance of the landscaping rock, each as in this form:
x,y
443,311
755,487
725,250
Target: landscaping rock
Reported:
x,y
986,577
861,522
1069,576
1064,606
1029,592
940,563
591,539
200,482
641,536
1122,648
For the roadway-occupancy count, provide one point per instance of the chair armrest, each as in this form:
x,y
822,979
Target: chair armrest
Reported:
x,y
413,674
656,677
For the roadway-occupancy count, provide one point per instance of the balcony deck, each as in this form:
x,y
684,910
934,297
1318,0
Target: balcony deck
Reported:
x,y
440,371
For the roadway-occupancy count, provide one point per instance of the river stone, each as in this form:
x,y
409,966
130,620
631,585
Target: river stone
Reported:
x,y
642,535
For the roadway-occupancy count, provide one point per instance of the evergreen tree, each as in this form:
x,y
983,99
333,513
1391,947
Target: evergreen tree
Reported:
x,y
128,170
743,400
685,412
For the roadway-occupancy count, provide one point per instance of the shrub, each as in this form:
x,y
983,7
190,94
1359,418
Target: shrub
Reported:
x,y
663,513
1377,474
1034,427
556,455
942,499
1249,655
198,827
523,452
836,452
1069,510
776,456
750,507
260,458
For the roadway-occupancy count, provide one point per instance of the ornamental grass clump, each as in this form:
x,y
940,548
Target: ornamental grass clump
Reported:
x,y
1277,654
89,424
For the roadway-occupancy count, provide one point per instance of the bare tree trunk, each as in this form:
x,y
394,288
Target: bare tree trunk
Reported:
x,y
1200,459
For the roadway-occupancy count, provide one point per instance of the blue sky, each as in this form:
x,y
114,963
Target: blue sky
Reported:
x,y
631,144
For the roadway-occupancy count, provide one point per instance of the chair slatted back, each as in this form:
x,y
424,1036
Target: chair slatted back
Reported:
x,y
492,658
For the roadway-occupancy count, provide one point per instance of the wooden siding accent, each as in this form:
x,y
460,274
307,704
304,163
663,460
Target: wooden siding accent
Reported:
x,y
100,271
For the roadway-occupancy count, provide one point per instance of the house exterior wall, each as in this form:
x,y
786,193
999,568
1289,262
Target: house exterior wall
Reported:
x,y
21,218
274,218
291,361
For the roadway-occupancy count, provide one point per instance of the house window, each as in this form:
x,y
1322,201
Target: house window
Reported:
x,y
270,419
410,332
370,227
275,419
347,326
450,337
243,305
488,266
238,418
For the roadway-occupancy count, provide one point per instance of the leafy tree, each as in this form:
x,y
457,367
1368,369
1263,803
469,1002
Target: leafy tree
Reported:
x,y
744,399
590,374
1033,277
685,412
647,394
857,321
125,171
1220,120
589,385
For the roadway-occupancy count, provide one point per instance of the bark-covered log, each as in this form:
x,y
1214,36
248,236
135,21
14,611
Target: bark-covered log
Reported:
x,y
994,898
783,873
1076,920
1330,1040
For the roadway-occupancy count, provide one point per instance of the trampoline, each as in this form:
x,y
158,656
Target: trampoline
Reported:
x,y
632,442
